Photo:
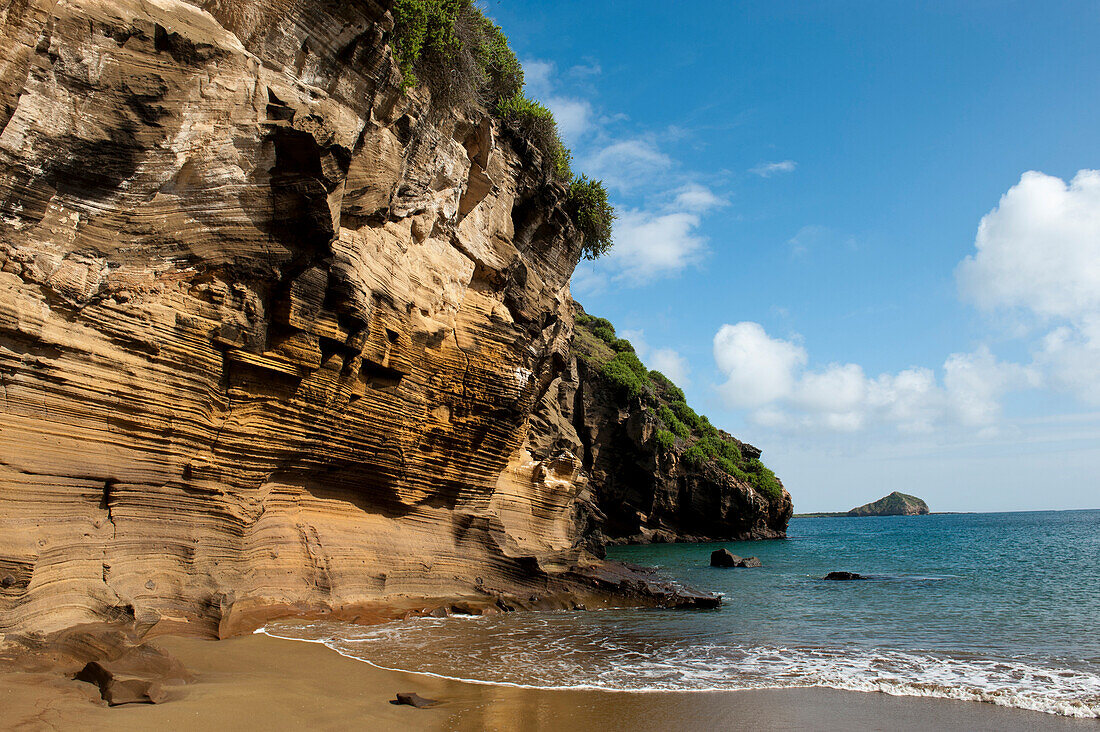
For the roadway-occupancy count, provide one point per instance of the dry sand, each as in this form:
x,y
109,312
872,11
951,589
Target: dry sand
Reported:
x,y
261,683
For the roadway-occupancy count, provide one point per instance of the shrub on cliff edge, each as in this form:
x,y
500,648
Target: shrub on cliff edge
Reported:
x,y
539,126
594,215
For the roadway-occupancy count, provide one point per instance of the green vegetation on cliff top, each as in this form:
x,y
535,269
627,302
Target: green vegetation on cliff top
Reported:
x,y
596,343
465,60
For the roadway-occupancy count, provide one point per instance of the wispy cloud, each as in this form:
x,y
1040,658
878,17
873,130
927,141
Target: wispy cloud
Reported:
x,y
661,206
768,170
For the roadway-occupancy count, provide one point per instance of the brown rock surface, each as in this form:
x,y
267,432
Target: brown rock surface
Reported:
x,y
271,331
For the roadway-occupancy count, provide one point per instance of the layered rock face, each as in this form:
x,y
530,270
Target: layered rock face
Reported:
x,y
640,493
273,332
270,329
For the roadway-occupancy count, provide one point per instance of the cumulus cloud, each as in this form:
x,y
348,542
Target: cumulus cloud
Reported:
x,y
769,376
767,170
758,369
574,116
649,245
1038,255
1040,248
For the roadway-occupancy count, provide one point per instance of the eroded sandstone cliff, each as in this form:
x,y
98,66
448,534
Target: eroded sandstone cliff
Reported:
x,y
273,329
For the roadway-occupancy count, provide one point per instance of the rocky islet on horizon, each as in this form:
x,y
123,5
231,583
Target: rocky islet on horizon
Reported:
x,y
281,337
895,504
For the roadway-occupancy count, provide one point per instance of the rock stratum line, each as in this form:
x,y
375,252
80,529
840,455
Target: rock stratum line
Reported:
x,y
273,331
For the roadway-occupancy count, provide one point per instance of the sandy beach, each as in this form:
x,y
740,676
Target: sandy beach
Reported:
x,y
261,683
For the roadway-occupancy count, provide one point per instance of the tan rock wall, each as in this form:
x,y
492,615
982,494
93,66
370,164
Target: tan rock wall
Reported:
x,y
270,330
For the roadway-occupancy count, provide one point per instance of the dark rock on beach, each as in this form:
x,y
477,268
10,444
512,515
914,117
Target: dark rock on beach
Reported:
x,y
414,700
116,687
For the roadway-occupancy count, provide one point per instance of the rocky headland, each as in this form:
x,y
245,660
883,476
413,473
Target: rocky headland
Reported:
x,y
284,333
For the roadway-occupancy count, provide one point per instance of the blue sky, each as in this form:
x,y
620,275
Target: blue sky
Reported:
x,y
800,188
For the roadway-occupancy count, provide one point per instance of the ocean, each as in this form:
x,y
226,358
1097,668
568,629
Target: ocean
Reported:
x,y
1002,608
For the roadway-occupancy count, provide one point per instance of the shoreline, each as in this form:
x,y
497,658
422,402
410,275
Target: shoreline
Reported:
x,y
268,683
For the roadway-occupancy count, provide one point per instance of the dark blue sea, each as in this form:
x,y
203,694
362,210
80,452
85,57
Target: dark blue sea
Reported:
x,y
1002,608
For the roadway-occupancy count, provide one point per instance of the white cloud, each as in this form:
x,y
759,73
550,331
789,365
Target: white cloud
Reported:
x,y
769,376
1070,358
585,71
626,164
1040,248
1038,255
670,363
574,117
767,170
758,369
648,245
976,382
696,197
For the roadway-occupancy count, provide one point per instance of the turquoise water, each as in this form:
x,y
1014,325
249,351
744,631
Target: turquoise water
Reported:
x,y
1001,608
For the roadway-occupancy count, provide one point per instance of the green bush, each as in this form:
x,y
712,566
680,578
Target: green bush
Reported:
x,y
503,72
695,457
686,414
678,428
668,390
621,345
706,428
665,440
424,32
731,467
604,333
627,375
764,480
593,214
715,447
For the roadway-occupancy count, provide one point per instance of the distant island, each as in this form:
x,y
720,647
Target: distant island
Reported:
x,y
895,504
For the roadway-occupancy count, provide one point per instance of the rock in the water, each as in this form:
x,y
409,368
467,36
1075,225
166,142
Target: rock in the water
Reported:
x,y
895,504
844,576
414,700
724,558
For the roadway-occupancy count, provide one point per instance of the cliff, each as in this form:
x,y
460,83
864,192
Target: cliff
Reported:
x,y
280,335
659,472
895,504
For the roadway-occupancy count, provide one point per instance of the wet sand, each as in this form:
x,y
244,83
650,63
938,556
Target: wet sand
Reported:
x,y
260,683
